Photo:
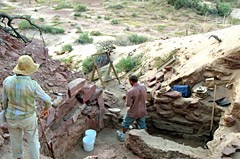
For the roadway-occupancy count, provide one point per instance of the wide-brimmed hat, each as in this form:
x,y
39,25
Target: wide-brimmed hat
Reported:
x,y
25,66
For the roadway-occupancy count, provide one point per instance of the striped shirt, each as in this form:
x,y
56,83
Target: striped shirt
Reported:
x,y
136,98
18,96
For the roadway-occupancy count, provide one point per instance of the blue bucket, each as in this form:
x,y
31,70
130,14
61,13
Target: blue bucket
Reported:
x,y
88,143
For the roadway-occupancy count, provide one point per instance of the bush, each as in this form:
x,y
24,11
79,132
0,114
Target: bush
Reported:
x,y
137,39
95,33
63,5
127,64
107,18
116,6
23,24
77,14
114,22
87,65
52,29
66,48
224,9
84,38
80,8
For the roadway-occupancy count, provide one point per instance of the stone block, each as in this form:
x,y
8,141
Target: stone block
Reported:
x,y
235,112
159,76
173,94
174,127
181,111
147,146
75,86
51,116
96,94
87,92
162,99
151,84
192,117
165,113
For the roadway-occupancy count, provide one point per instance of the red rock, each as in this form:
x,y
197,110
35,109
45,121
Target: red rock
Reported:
x,y
75,86
151,84
173,94
87,92
51,116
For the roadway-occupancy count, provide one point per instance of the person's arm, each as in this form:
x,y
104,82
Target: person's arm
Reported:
x,y
129,99
4,100
43,96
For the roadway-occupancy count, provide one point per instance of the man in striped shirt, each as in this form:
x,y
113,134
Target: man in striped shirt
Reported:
x,y
18,98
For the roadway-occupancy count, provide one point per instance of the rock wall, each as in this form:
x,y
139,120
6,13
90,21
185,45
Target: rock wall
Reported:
x,y
80,104
186,117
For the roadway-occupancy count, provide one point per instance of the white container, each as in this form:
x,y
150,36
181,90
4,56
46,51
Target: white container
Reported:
x,y
88,143
91,133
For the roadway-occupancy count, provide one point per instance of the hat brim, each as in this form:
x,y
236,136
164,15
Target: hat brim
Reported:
x,y
28,71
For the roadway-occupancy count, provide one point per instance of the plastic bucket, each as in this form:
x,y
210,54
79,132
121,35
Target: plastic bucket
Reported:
x,y
88,143
91,133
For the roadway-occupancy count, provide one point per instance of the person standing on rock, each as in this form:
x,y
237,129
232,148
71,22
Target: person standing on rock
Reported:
x,y
136,107
18,99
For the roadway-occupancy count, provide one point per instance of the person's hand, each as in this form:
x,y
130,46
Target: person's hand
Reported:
x,y
45,114
128,108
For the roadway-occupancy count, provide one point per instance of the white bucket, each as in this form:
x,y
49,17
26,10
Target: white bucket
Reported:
x,y
91,133
88,143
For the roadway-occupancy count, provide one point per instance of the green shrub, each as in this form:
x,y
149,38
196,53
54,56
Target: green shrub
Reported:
x,y
23,24
63,5
134,14
107,18
84,38
116,6
114,21
79,30
122,41
52,29
95,33
137,39
80,8
224,9
66,48
42,19
77,14
127,64
87,65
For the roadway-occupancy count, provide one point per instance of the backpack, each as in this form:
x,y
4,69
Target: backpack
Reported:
x,y
183,89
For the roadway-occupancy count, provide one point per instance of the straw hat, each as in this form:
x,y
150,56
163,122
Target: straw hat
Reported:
x,y
25,66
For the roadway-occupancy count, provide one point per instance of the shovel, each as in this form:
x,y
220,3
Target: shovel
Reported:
x,y
213,109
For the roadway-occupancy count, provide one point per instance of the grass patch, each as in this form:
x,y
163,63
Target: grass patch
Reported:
x,y
52,29
95,33
161,28
137,39
24,25
114,21
62,5
87,65
127,64
116,6
66,48
85,38
80,8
